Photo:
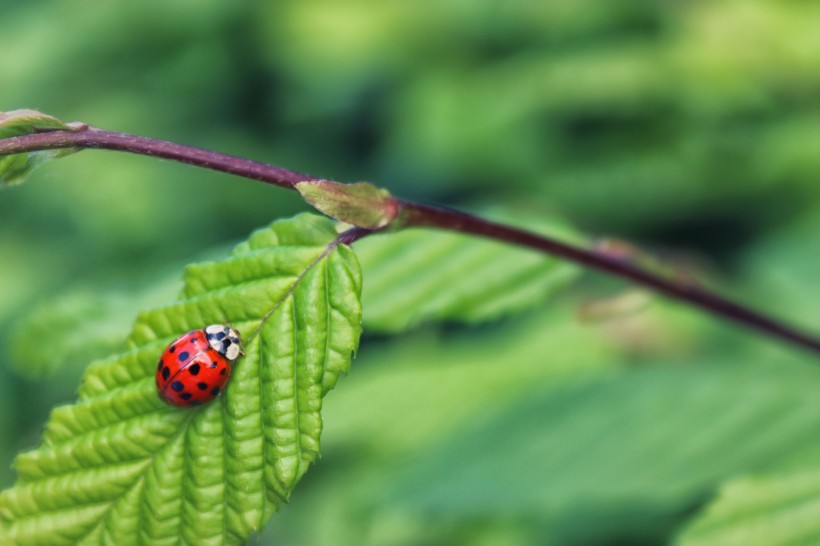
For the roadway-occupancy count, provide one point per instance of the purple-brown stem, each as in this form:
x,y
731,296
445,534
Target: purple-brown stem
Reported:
x,y
414,214
424,215
92,138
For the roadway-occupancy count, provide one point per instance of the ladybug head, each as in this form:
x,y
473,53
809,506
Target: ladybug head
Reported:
x,y
225,340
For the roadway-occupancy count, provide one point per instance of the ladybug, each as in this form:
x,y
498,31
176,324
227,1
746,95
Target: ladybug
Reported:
x,y
195,368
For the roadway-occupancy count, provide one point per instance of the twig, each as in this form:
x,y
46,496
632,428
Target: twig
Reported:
x,y
92,138
687,292
414,214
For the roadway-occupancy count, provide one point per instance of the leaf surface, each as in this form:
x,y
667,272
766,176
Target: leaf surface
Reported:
x,y
80,325
421,275
121,467
422,389
772,510
623,454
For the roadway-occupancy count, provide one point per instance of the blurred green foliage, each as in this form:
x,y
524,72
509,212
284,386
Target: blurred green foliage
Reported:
x,y
688,127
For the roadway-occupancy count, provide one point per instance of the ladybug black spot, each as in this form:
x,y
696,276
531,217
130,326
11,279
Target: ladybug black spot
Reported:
x,y
214,391
171,349
177,386
202,386
185,395
183,356
213,364
165,372
222,371
194,369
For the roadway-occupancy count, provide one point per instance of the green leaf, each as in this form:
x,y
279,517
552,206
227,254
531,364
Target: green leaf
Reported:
x,y
427,386
459,379
14,168
23,122
80,325
784,266
761,511
419,275
625,454
78,328
121,467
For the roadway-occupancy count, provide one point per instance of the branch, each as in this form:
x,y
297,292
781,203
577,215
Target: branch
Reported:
x,y
423,215
92,138
417,215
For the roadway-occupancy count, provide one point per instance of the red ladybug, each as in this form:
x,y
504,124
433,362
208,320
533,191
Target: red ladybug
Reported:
x,y
195,368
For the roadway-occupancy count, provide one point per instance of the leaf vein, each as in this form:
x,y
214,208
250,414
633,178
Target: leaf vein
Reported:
x,y
140,478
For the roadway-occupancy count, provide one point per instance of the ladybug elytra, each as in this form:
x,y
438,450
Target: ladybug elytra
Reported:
x,y
195,368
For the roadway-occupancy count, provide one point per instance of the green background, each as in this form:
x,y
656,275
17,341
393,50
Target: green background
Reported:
x,y
689,128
